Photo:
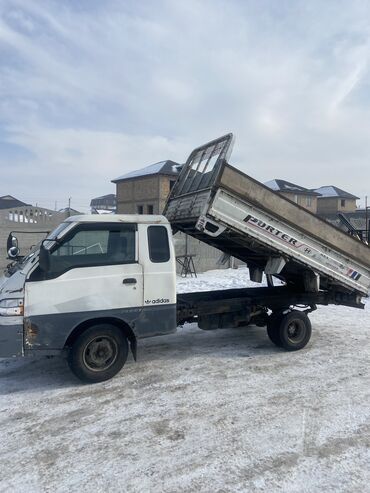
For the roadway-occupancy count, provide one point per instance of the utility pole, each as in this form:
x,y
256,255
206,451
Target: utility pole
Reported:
x,y
69,206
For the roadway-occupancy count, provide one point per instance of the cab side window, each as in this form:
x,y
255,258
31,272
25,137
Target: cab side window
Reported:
x,y
84,243
159,250
93,246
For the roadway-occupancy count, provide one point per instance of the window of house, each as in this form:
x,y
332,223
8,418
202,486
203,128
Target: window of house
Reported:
x,y
343,203
89,246
308,201
296,199
172,182
150,209
140,209
159,249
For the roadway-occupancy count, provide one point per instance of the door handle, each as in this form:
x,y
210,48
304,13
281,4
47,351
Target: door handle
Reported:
x,y
129,280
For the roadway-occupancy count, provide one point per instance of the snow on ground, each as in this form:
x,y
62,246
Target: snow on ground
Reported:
x,y
216,279
219,411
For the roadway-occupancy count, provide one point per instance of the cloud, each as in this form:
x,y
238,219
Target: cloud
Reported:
x,y
91,90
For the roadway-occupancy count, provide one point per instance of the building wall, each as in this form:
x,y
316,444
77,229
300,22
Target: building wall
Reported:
x,y
164,190
332,205
205,257
30,221
143,191
309,202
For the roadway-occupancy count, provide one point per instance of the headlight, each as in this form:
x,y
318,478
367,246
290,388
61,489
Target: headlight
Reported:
x,y
11,307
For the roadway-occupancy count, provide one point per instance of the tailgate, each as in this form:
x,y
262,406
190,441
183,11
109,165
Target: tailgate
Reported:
x,y
191,193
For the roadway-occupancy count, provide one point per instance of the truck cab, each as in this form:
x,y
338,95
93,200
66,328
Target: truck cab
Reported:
x,y
96,285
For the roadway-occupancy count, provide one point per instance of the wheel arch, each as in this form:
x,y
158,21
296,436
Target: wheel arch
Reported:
x,y
123,326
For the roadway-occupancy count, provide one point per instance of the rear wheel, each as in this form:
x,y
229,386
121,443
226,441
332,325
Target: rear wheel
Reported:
x,y
291,331
98,353
273,324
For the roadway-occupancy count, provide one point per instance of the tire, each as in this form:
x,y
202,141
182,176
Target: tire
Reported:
x,y
98,353
294,330
273,325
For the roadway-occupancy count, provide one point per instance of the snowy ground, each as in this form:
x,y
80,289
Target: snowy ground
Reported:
x,y
218,411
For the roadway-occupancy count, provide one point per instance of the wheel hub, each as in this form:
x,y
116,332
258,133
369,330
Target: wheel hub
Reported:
x,y
295,331
100,353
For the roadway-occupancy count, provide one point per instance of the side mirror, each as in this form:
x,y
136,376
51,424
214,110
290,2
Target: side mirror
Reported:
x,y
44,258
11,242
13,252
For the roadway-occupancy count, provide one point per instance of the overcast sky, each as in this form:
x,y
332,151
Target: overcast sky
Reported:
x,y
90,90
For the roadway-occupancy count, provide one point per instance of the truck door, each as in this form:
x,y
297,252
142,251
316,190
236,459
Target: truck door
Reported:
x,y
94,272
158,258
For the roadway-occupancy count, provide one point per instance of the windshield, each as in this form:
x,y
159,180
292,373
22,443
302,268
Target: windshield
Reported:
x,y
56,232
31,254
51,236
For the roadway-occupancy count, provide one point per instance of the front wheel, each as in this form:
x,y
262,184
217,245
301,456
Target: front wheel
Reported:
x,y
291,331
98,353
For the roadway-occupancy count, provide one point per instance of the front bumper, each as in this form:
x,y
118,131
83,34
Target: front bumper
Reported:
x,y
11,337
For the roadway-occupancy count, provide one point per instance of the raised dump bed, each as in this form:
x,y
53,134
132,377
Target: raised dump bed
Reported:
x,y
222,206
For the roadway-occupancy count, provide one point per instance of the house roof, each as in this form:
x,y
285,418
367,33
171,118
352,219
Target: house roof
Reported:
x,y
8,202
332,191
110,198
69,210
285,186
162,168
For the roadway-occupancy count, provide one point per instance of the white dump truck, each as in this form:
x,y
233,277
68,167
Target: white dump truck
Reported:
x,y
97,284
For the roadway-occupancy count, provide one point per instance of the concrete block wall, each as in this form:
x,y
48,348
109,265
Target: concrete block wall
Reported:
x,y
143,192
332,205
206,257
29,221
309,202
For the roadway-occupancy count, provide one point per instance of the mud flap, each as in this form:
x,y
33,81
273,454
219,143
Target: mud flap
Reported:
x,y
133,347
11,341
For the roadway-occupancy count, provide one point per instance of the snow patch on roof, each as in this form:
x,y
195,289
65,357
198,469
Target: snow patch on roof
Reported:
x,y
326,191
292,187
102,211
285,186
149,170
272,184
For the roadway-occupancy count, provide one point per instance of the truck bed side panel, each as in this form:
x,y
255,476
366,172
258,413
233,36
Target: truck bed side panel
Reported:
x,y
254,192
249,222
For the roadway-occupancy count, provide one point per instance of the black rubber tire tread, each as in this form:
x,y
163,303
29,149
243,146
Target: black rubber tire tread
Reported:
x,y
75,354
273,325
286,320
